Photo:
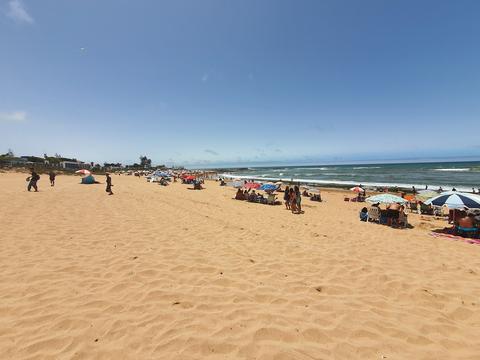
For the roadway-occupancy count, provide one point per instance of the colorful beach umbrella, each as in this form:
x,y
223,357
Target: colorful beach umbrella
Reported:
x,y
251,185
268,187
455,200
385,199
83,172
189,177
357,189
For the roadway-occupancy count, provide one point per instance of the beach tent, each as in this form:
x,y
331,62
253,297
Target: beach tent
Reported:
x,y
385,199
89,179
455,200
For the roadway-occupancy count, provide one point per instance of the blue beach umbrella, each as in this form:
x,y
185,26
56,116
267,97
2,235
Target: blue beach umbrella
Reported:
x,y
161,174
268,187
385,199
455,200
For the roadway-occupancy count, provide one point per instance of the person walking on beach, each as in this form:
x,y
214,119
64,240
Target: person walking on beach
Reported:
x,y
109,184
286,198
32,181
52,178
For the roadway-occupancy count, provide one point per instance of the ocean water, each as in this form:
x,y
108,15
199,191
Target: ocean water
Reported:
x,y
461,175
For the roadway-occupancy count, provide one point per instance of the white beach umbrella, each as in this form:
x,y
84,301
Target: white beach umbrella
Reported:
x,y
385,199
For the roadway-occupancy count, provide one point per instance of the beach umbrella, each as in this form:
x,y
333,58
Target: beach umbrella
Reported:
x,y
385,199
455,200
236,184
83,172
357,189
268,187
251,185
425,195
190,177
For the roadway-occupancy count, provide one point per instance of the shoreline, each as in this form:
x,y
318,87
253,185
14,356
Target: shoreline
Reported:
x,y
343,184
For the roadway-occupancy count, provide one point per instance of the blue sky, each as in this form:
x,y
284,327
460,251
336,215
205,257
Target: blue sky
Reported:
x,y
227,82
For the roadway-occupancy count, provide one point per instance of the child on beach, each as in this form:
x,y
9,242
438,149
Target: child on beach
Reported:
x,y
52,178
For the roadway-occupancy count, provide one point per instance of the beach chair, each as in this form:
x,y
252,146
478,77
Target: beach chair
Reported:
x,y
445,211
413,206
374,214
271,199
426,210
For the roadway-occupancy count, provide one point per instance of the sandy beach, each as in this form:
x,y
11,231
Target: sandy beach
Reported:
x,y
159,272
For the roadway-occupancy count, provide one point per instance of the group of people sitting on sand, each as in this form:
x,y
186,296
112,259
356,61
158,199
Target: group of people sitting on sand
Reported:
x,y
313,197
393,215
256,197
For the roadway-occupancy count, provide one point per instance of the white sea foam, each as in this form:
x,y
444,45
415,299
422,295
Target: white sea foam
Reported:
x,y
366,167
345,183
453,170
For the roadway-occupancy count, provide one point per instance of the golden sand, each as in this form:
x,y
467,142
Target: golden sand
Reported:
x,y
168,273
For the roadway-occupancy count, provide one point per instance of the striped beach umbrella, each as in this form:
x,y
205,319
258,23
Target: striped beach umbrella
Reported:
x,y
385,199
455,200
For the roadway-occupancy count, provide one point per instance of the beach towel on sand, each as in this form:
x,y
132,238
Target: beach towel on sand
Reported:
x,y
454,237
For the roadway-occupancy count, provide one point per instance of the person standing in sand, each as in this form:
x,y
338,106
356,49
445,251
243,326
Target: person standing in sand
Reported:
x,y
32,181
286,198
298,199
109,184
52,178
293,200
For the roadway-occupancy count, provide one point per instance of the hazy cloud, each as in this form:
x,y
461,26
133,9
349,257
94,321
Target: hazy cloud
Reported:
x,y
13,117
205,77
213,152
18,12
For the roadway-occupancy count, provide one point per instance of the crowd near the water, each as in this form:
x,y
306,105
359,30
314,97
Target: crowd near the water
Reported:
x,y
462,210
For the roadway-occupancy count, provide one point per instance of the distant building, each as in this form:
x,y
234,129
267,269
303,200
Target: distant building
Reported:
x,y
74,165
34,159
14,161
